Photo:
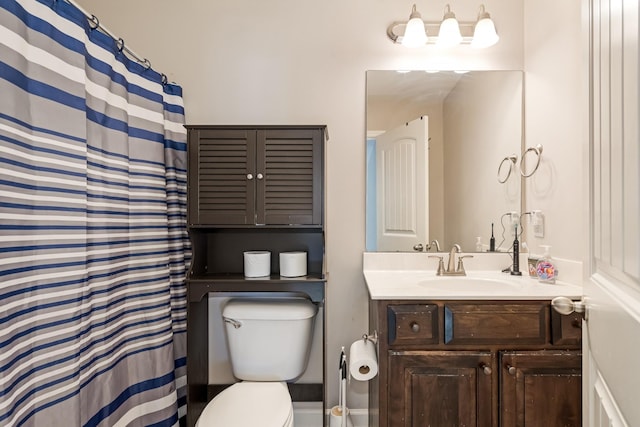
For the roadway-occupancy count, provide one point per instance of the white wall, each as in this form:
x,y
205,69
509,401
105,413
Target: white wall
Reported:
x,y
556,116
294,62
485,111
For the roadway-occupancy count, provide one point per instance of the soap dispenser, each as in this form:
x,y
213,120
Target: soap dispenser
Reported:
x,y
546,268
479,244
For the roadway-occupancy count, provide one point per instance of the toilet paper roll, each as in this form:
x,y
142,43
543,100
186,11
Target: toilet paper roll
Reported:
x,y
293,264
257,263
363,364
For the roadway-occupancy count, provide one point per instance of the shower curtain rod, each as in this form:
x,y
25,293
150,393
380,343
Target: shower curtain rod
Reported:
x,y
95,24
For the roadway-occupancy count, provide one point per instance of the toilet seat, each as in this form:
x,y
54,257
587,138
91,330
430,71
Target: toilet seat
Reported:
x,y
250,404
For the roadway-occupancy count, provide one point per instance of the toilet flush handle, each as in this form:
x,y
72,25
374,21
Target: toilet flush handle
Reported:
x,y
236,323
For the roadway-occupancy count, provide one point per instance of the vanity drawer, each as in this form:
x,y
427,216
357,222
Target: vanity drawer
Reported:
x,y
491,323
566,330
413,324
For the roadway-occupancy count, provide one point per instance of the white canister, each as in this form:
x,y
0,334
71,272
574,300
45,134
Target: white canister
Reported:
x,y
257,263
293,264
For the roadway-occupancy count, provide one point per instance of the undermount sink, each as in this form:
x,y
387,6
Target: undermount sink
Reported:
x,y
466,283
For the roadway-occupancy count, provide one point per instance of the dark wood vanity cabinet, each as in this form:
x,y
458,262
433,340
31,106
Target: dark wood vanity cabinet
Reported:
x,y
269,175
540,388
250,188
475,363
439,388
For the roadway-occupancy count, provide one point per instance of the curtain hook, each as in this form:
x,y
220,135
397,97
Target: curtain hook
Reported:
x,y
94,20
165,80
146,63
120,44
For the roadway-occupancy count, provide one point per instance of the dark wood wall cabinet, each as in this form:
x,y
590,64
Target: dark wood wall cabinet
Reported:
x,y
250,188
255,176
475,363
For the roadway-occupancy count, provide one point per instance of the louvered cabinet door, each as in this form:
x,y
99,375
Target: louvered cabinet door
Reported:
x,y
289,171
222,176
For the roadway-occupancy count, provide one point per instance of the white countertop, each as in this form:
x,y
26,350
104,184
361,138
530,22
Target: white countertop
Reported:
x,y
408,276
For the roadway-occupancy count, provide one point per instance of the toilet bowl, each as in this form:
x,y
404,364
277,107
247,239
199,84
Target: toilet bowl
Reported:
x,y
250,404
269,342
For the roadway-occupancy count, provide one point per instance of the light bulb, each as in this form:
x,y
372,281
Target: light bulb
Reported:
x,y
449,34
485,34
414,33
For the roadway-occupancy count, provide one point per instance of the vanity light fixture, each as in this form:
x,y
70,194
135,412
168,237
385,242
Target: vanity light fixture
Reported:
x,y
446,33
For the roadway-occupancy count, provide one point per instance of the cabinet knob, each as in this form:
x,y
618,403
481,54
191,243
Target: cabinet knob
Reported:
x,y
511,370
415,327
249,176
259,176
486,369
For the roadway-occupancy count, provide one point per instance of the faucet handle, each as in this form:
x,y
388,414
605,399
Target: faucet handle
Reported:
x,y
440,271
460,265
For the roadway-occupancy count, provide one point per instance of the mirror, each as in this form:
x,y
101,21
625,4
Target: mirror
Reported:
x,y
467,176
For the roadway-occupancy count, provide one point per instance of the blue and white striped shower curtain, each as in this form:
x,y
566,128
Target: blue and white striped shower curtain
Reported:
x,y
93,242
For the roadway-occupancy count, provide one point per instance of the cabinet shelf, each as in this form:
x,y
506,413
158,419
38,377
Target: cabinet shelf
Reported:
x,y
267,280
264,227
201,285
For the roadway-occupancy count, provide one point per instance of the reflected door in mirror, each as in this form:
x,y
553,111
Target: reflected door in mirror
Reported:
x,y
402,186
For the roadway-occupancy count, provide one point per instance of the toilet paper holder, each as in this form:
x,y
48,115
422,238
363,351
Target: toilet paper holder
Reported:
x,y
373,338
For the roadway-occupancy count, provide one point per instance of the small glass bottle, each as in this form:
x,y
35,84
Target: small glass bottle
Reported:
x,y
546,268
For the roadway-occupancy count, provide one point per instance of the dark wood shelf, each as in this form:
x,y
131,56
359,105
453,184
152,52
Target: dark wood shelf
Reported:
x,y
274,278
254,227
201,285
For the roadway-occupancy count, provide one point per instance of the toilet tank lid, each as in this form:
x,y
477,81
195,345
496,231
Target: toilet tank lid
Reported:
x,y
269,309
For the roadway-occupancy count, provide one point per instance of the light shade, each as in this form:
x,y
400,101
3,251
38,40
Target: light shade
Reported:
x,y
449,34
484,34
414,33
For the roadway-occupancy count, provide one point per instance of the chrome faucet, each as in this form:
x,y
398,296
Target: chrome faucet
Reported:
x,y
452,269
418,247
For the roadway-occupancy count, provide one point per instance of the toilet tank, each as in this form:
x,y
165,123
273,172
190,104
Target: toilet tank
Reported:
x,y
269,339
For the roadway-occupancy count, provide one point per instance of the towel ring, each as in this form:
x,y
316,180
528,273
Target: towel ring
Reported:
x,y
513,159
538,151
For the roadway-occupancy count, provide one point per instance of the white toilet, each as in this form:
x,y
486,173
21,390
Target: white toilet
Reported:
x,y
269,342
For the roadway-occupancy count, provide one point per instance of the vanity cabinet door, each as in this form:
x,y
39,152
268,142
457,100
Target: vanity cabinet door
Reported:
x,y
437,388
541,388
